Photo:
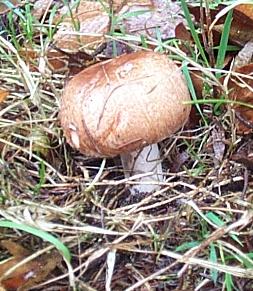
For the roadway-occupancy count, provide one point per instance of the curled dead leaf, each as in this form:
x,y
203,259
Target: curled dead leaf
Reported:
x,y
28,274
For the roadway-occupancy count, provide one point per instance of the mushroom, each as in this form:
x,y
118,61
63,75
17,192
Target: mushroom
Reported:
x,y
124,106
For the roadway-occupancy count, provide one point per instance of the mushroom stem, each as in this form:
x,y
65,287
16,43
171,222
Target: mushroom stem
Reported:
x,y
140,162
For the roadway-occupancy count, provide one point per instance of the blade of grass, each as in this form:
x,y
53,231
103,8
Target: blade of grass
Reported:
x,y
28,23
12,30
13,8
224,42
186,73
219,101
193,31
52,27
213,258
229,282
42,177
187,245
39,233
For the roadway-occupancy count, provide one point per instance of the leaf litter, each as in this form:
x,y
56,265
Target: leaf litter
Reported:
x,y
118,242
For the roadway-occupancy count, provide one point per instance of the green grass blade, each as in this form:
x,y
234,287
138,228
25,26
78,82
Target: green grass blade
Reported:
x,y
229,282
215,219
213,258
187,245
219,101
193,31
52,28
12,7
186,73
39,233
42,176
224,42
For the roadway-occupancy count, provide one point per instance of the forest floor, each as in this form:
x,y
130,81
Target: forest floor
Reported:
x,y
68,220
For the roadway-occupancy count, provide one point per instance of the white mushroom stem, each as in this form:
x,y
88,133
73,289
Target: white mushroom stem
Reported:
x,y
140,162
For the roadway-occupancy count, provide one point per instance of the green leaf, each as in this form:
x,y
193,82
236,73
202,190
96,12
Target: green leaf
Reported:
x,y
39,233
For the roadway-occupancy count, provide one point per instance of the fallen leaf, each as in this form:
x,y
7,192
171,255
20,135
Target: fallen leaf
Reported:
x,y
118,4
244,155
198,82
40,7
142,17
241,30
149,19
84,30
57,61
30,273
246,9
241,89
244,56
182,33
3,94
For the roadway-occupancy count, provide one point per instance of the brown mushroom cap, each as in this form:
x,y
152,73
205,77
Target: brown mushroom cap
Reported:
x,y
124,104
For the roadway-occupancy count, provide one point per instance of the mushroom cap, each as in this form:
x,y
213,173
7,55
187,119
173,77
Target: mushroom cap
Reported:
x,y
124,104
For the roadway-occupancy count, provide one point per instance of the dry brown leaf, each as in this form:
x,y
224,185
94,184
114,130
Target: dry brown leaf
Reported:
x,y
242,24
3,94
158,15
29,274
246,9
93,22
240,33
57,61
241,89
40,7
118,4
148,17
244,155
245,55
181,32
